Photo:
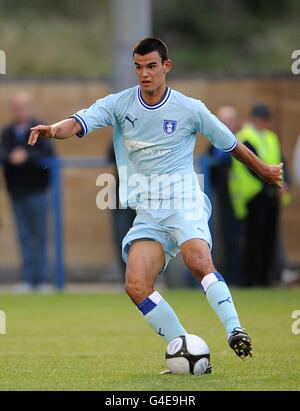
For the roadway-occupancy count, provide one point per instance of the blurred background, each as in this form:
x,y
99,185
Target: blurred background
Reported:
x,y
61,57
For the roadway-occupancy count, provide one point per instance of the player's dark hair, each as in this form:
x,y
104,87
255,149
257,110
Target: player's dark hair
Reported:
x,y
149,45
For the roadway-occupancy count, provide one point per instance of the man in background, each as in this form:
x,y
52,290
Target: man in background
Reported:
x,y
27,182
255,202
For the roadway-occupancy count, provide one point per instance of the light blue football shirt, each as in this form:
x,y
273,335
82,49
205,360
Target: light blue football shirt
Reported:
x,y
154,140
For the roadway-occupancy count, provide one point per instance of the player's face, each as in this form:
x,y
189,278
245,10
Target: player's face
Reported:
x,y
151,71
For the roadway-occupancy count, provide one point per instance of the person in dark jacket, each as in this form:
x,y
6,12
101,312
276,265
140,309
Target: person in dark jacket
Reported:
x,y
258,203
27,181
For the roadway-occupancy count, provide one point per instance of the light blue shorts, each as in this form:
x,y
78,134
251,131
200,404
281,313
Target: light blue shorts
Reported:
x,y
171,228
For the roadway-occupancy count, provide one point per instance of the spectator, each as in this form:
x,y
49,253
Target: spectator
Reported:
x,y
27,182
256,202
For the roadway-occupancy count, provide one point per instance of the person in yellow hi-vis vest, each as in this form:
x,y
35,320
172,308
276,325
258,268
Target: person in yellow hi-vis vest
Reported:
x,y
256,202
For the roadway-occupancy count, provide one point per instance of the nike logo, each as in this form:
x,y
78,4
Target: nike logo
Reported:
x,y
131,121
223,301
159,333
200,229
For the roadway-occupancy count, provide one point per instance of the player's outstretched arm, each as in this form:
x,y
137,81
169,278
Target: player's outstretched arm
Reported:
x,y
272,174
61,130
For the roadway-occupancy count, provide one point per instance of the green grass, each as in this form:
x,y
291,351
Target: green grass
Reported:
x,y
100,342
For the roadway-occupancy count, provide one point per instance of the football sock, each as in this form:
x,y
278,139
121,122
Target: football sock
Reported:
x,y
161,317
219,297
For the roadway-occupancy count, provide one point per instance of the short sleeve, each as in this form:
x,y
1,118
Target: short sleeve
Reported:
x,y
211,127
98,115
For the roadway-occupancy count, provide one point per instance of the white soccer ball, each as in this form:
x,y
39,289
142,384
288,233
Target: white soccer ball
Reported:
x,y
188,354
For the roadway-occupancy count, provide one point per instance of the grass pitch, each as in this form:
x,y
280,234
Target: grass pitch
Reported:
x,y
101,342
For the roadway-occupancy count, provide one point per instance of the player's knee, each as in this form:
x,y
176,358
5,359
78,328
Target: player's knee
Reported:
x,y
136,291
199,265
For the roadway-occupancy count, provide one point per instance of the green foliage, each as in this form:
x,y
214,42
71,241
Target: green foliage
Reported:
x,y
74,10
229,36
207,36
46,38
100,342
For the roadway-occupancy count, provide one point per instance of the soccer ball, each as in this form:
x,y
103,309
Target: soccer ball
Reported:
x,y
188,354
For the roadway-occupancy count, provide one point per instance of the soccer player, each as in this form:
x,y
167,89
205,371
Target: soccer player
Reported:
x,y
155,130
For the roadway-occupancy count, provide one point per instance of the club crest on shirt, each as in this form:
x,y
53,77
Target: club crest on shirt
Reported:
x,y
169,126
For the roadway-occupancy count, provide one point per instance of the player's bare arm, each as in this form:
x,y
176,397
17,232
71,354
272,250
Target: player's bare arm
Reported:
x,y
61,130
271,174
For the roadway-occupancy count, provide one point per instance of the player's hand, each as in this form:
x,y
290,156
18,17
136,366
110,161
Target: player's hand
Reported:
x,y
41,130
274,175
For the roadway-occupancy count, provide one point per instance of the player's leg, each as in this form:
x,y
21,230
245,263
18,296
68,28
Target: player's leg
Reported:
x,y
145,262
197,257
